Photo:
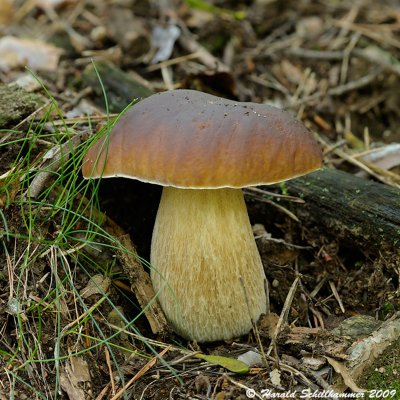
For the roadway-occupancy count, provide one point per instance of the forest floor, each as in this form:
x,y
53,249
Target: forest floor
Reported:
x,y
74,319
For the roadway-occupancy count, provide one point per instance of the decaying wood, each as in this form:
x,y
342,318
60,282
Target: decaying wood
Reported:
x,y
138,277
355,210
299,334
141,286
121,88
365,352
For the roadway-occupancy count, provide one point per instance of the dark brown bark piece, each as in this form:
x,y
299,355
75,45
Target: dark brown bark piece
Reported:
x,y
353,209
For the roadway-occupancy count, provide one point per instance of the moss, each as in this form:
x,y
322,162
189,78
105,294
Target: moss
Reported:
x,y
385,374
16,104
384,379
387,309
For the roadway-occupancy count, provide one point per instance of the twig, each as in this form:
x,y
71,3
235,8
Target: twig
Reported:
x,y
346,57
188,42
278,206
58,155
108,361
173,61
318,287
251,393
369,32
336,295
318,317
328,55
141,285
83,120
249,191
367,53
285,312
141,372
364,166
270,239
103,392
387,178
270,84
348,87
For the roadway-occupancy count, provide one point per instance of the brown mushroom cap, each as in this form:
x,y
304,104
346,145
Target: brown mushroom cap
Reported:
x,y
190,139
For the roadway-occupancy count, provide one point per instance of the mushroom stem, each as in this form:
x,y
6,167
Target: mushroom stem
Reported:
x,y
206,266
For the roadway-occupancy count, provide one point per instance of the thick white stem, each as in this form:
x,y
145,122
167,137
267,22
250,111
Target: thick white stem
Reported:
x,y
206,266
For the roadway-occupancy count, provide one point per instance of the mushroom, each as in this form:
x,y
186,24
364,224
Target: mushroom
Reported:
x,y
203,149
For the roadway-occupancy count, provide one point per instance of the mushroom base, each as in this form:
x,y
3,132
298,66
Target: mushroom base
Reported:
x,y
206,267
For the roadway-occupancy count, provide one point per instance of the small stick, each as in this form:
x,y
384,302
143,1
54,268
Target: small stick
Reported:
x,y
173,61
342,89
294,199
141,372
141,285
108,360
336,295
57,155
284,314
188,42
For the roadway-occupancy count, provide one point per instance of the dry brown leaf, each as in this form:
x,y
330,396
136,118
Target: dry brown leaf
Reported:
x,y
344,373
8,189
72,375
275,376
292,72
310,27
98,284
6,12
268,323
313,363
37,55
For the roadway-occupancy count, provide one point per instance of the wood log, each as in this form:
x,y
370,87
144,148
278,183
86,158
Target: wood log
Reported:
x,y
356,210
121,88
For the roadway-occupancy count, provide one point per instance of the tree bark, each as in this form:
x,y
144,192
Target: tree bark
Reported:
x,y
351,208
119,87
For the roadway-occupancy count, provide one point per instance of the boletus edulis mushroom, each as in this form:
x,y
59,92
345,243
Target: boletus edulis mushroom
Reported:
x,y
203,149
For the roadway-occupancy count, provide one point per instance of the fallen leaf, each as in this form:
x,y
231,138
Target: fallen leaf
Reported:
x,y
385,157
382,57
313,363
267,323
82,109
292,72
8,188
310,27
98,284
79,369
37,55
251,358
275,376
231,364
163,39
344,373
72,375
27,82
